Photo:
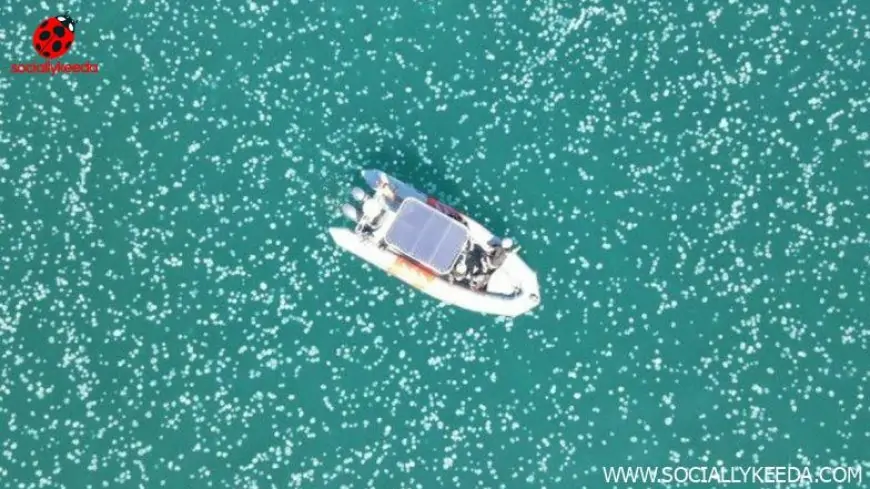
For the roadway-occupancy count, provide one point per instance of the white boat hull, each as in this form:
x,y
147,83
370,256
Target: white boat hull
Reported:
x,y
512,289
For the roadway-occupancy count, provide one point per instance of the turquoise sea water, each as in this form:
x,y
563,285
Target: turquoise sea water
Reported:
x,y
690,180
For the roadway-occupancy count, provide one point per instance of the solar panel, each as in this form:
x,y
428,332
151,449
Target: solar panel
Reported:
x,y
427,236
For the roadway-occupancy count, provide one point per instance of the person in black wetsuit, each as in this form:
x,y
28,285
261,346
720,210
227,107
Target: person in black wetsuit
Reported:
x,y
478,266
476,257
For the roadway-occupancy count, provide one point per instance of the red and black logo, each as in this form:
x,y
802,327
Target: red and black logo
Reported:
x,y
52,39
54,36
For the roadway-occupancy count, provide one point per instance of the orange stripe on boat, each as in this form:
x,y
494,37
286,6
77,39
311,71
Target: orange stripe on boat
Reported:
x,y
411,273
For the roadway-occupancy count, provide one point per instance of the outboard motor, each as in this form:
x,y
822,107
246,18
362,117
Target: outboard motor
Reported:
x,y
350,212
358,194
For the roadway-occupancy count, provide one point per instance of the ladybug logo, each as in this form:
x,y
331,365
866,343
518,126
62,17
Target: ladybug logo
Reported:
x,y
54,36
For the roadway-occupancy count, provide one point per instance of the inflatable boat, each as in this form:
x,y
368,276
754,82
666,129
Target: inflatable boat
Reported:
x,y
436,249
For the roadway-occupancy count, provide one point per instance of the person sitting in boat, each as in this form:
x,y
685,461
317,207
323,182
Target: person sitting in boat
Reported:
x,y
500,253
460,272
478,260
372,213
479,282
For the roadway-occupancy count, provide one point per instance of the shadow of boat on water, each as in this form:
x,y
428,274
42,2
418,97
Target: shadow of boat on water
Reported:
x,y
431,176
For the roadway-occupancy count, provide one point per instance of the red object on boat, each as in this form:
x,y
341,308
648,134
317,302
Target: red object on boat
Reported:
x,y
445,209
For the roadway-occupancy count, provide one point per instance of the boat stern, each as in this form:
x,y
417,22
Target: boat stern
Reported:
x,y
343,237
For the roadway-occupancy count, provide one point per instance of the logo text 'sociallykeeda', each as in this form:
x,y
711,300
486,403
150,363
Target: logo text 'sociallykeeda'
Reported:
x,y
54,68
